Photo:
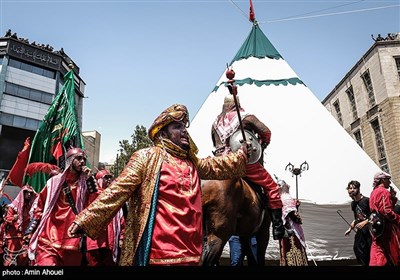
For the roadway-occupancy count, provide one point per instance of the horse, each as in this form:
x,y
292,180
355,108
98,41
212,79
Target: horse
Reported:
x,y
233,207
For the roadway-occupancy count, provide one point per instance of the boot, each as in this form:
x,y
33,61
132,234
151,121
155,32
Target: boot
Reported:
x,y
278,230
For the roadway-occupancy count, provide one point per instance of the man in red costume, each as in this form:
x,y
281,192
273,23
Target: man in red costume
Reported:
x,y
16,222
227,123
104,250
385,248
63,196
162,184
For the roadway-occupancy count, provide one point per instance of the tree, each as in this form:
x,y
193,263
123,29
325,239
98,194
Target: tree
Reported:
x,y
140,140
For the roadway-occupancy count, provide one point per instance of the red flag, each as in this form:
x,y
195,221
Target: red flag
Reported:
x,y
58,151
252,15
17,172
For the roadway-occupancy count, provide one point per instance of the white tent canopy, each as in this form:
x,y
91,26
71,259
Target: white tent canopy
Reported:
x,y
302,130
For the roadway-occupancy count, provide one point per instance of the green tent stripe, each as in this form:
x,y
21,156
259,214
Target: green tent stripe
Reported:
x,y
256,45
259,83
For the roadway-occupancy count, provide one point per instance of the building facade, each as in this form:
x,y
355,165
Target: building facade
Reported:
x,y
91,140
366,102
31,74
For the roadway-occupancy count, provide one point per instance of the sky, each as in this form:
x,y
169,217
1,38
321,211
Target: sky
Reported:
x,y
139,57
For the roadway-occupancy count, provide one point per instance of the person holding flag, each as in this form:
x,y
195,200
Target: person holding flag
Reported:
x,y
63,197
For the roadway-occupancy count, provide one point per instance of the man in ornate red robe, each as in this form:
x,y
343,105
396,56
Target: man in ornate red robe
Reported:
x,y
162,187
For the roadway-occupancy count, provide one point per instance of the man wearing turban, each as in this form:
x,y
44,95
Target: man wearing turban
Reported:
x,y
385,248
162,186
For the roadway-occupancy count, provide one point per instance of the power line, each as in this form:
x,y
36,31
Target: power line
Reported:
x,y
303,16
322,10
332,14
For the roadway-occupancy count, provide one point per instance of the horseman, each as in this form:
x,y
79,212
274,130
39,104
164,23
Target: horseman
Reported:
x,y
223,128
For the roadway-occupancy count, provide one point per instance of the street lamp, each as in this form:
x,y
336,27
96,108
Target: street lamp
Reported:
x,y
297,171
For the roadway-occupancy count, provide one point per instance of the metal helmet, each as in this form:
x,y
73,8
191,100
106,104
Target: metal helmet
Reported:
x,y
73,153
236,140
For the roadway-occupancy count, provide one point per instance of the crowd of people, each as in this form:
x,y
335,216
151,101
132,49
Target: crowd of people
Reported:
x,y
78,219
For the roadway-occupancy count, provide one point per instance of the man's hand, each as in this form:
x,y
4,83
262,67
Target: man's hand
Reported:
x,y
87,171
249,148
26,239
264,145
75,230
362,224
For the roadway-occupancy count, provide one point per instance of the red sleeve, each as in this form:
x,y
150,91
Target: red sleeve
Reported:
x,y
265,136
386,208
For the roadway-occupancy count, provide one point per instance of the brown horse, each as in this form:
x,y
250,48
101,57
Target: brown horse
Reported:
x,y
232,207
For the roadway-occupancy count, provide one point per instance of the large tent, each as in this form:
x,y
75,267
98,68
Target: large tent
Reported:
x,y
302,131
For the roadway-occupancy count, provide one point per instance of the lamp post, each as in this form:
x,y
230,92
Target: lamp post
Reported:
x,y
297,172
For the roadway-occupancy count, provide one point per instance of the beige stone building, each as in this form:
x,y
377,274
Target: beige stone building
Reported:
x,y
366,102
92,140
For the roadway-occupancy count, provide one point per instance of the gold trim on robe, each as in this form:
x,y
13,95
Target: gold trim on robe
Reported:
x,y
136,184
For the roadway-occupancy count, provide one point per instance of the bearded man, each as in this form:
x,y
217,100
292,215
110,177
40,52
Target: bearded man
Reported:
x,y
162,187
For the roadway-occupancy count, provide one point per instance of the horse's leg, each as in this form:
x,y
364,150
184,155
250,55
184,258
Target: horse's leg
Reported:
x,y
213,245
220,199
247,251
212,251
263,239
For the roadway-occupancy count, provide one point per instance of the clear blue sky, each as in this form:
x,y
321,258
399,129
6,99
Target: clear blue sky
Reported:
x,y
139,57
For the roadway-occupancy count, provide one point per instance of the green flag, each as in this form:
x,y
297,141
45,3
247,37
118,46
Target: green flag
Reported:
x,y
58,131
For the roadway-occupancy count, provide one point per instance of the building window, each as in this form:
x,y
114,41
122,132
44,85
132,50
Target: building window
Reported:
x,y
28,93
370,90
32,68
379,144
18,121
357,136
350,95
336,105
397,59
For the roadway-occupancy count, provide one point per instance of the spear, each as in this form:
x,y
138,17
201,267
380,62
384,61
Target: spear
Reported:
x,y
339,212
